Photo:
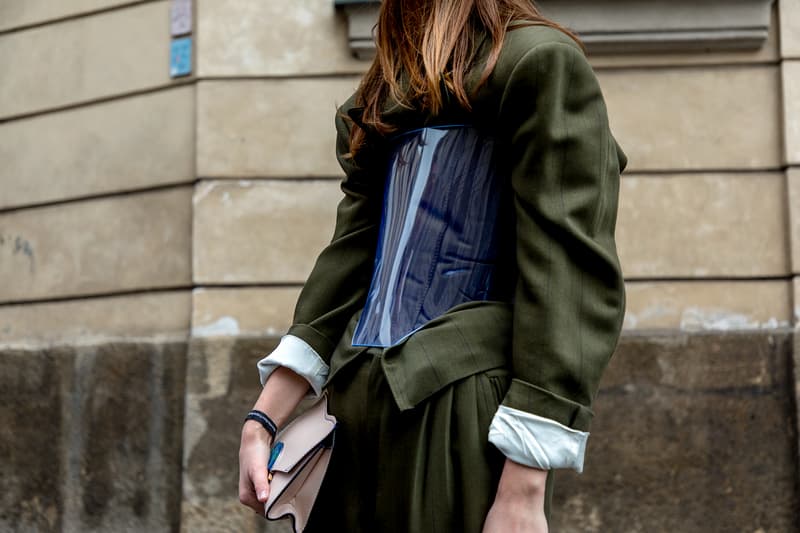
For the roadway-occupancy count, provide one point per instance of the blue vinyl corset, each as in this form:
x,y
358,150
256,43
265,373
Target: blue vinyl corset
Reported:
x,y
446,216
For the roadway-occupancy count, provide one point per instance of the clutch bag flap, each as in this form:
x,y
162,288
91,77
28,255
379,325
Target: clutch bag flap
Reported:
x,y
299,459
302,436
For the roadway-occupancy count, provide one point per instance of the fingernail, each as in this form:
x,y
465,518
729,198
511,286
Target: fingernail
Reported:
x,y
262,495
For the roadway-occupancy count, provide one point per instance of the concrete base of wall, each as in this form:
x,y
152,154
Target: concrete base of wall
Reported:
x,y
90,437
693,433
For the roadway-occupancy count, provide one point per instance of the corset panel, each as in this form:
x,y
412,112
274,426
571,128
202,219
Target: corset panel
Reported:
x,y
445,233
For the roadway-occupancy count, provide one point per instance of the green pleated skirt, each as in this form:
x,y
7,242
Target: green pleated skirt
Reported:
x,y
427,469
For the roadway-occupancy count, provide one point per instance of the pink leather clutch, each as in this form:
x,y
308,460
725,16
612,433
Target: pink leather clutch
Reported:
x,y
298,461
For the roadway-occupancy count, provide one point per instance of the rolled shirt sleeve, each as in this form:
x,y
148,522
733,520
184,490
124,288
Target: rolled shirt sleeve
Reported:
x,y
297,355
536,441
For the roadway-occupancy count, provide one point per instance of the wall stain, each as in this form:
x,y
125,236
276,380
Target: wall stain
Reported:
x,y
21,246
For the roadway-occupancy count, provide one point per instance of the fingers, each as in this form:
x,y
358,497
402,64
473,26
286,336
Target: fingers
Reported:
x,y
260,480
247,495
253,484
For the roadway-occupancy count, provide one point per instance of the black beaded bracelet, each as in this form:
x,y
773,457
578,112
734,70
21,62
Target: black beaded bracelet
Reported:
x,y
264,420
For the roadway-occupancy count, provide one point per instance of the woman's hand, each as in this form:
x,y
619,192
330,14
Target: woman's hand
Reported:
x,y
253,454
281,393
519,504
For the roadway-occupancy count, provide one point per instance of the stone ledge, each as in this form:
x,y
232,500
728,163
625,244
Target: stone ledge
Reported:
x,y
634,26
274,39
624,26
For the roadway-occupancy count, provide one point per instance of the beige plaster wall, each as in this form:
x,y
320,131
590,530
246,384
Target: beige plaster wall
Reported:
x,y
261,231
20,13
83,59
703,226
149,315
96,142
790,68
99,246
703,229
269,128
274,38
97,145
789,29
120,145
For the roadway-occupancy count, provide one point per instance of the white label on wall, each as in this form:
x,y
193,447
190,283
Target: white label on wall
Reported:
x,y
180,17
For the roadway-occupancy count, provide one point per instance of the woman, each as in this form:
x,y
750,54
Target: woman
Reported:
x,y
471,296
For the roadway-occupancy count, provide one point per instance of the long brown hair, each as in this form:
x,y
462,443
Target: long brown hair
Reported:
x,y
423,45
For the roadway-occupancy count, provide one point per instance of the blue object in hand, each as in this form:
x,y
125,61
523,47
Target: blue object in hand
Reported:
x,y
273,456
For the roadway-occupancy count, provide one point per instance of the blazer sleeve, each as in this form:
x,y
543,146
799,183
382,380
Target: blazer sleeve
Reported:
x,y
569,300
338,284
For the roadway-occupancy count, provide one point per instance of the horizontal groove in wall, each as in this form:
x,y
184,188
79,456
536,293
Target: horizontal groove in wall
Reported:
x,y
688,66
669,334
665,173
74,16
633,281
284,77
281,179
87,103
161,187
224,285
702,171
266,285
680,279
211,285
788,278
98,295
99,196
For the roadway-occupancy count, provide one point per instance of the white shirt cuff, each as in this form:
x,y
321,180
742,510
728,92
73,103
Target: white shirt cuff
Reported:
x,y
295,354
536,441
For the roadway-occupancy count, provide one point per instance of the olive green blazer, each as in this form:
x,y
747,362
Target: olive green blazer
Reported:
x,y
545,108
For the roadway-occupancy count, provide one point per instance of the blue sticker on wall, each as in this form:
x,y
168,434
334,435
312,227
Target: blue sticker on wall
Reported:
x,y
180,57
